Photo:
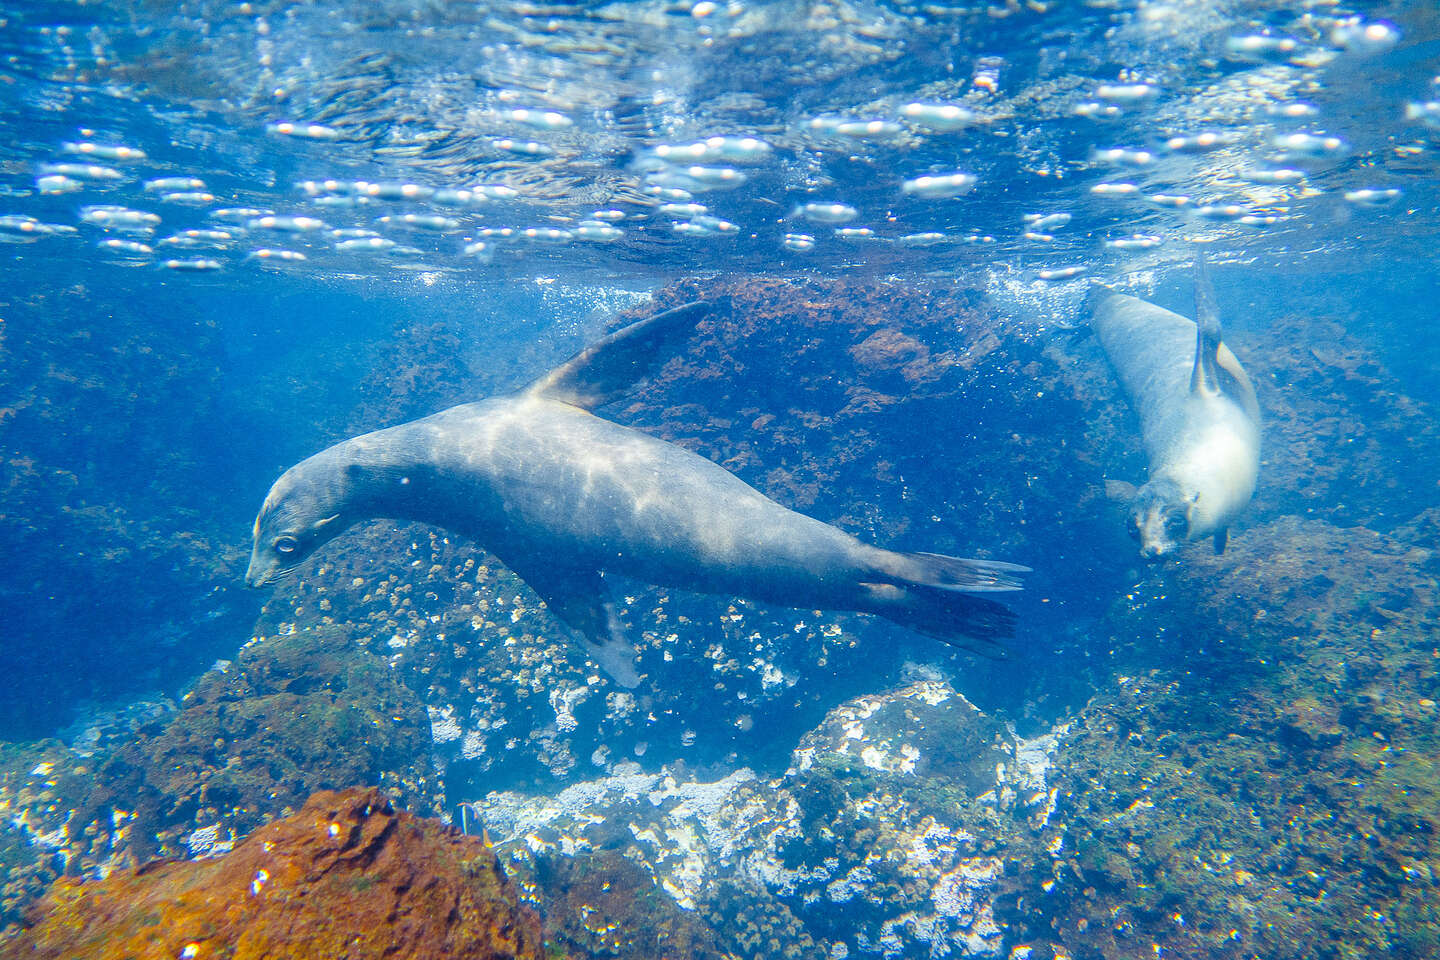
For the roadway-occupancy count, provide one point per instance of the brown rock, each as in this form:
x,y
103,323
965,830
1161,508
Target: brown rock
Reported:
x,y
1310,722
348,876
889,349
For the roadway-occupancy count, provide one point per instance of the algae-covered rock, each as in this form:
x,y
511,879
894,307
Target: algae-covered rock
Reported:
x,y
27,865
347,876
891,834
605,905
925,730
914,807
1262,781
291,715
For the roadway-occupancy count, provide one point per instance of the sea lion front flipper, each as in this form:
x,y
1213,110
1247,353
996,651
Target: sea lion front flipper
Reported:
x,y
1222,537
1236,382
579,599
605,370
1205,378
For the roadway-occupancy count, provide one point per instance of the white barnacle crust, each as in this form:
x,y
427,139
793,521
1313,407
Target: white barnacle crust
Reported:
x,y
695,836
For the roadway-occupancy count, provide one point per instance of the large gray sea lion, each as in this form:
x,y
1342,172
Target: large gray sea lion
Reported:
x,y
1198,416
560,496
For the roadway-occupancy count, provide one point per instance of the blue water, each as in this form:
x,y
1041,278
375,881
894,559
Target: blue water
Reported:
x,y
490,184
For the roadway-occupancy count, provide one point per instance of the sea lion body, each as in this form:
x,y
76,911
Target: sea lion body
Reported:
x,y
561,495
1199,420
535,478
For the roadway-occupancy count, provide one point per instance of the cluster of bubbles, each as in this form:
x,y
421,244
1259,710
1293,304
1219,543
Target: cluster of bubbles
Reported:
x,y
1243,134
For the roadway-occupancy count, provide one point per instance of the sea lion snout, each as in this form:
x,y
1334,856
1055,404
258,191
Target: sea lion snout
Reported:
x,y
265,564
1159,519
256,575
292,523
1155,551
1157,532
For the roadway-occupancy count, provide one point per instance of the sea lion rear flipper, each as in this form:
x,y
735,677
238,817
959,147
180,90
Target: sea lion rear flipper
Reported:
x,y
579,599
958,619
1205,378
605,370
961,574
935,594
1216,368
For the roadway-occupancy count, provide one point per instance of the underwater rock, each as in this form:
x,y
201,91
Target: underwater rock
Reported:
x,y
348,875
290,715
926,730
105,557
28,864
893,349
1260,780
889,835
914,806
605,905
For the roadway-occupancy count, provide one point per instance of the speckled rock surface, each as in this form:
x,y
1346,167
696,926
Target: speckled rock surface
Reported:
x,y
888,836
290,715
347,876
1276,793
606,905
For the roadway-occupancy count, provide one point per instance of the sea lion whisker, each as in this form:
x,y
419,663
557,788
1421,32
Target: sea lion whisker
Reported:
x,y
283,574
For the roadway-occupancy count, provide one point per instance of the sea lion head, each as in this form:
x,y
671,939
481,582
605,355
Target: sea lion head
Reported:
x,y
1160,518
305,509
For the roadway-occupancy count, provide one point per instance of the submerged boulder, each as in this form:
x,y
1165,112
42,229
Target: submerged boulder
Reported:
x,y
892,833
1261,781
310,710
347,876
292,714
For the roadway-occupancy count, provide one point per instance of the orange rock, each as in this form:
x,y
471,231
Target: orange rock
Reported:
x,y
346,877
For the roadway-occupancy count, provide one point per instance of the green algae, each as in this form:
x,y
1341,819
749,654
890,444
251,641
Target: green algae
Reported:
x,y
1282,799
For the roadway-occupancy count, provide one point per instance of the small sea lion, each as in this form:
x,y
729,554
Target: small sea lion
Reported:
x,y
561,496
1198,416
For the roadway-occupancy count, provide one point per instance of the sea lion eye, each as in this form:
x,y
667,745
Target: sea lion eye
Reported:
x,y
286,544
1175,525
1134,527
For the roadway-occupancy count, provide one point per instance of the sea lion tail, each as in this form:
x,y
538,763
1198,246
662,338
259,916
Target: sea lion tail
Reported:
x,y
1205,377
936,595
960,574
956,618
